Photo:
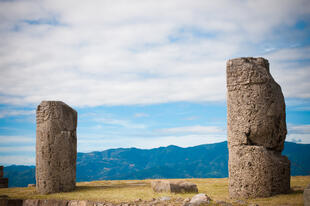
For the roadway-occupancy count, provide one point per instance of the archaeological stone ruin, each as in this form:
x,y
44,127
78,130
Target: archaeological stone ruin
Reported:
x,y
256,130
56,147
4,182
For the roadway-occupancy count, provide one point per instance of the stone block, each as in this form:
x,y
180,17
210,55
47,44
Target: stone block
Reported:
x,y
257,172
173,186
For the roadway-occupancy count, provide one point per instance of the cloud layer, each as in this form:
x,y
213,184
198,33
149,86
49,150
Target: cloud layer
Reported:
x,y
144,52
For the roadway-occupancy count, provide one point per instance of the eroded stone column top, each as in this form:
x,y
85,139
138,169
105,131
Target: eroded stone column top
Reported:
x,y
247,70
57,110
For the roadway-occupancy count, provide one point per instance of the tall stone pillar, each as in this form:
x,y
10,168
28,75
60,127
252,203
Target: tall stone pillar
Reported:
x,y
56,147
256,130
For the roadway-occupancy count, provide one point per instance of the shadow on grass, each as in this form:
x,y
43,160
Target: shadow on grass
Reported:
x,y
296,191
114,186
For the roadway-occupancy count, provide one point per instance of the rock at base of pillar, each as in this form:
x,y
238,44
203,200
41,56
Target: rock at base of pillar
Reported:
x,y
255,171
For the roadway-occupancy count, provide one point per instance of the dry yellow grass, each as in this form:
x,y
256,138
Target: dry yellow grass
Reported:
x,y
131,190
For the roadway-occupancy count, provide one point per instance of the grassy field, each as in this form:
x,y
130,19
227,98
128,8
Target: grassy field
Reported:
x,y
131,190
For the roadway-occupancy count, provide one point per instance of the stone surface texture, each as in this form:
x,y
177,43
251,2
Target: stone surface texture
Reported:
x,y
306,196
56,147
173,186
256,129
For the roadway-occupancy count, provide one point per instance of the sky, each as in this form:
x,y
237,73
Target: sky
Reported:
x,y
144,73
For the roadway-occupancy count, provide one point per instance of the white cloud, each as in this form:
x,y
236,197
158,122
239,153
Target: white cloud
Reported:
x,y
5,139
103,143
299,138
290,73
17,149
12,112
120,122
180,136
17,160
290,54
195,129
141,115
299,129
137,52
298,133
191,118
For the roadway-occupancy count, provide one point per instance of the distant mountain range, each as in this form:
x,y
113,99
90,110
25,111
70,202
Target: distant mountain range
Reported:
x,y
202,161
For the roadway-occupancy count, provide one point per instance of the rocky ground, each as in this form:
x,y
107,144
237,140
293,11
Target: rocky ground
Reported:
x,y
199,199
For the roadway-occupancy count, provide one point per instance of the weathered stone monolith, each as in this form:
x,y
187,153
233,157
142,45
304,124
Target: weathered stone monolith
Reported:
x,y
56,147
256,130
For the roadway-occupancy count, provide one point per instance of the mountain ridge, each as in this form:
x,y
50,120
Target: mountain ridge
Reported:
x,y
201,161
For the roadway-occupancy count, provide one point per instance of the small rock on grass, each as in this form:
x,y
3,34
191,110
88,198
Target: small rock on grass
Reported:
x,y
199,199
165,198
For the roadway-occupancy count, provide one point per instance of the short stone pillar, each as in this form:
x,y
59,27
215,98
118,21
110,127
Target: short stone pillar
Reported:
x,y
4,182
56,147
256,128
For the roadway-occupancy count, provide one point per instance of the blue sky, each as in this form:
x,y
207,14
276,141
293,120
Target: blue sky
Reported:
x,y
146,73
